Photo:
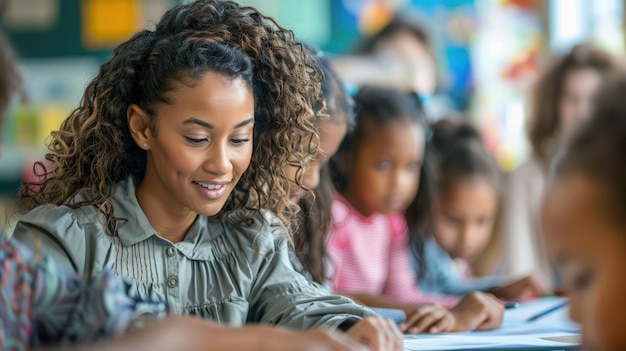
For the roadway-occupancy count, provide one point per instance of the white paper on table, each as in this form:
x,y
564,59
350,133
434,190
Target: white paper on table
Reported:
x,y
552,332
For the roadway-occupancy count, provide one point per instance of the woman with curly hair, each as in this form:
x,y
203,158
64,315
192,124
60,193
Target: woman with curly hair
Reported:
x,y
171,173
43,305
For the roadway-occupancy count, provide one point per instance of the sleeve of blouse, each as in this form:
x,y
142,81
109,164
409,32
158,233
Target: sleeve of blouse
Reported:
x,y
56,233
283,297
401,283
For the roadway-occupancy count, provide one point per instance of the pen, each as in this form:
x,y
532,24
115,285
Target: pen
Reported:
x,y
547,312
511,305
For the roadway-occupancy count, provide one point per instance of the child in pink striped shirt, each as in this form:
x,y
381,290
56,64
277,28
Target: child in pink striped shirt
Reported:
x,y
377,174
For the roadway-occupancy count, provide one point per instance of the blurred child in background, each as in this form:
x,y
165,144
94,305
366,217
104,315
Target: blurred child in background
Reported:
x,y
399,56
311,188
561,100
315,216
466,189
584,220
376,173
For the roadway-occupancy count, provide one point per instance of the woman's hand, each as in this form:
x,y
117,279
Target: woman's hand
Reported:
x,y
380,334
430,318
478,311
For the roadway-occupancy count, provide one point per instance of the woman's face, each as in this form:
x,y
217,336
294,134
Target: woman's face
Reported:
x,y
579,89
587,245
200,145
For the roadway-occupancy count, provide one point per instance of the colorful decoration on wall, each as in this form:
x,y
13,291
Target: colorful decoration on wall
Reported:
x,y
108,22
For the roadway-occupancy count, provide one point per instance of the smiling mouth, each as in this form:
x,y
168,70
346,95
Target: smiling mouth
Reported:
x,y
210,186
211,190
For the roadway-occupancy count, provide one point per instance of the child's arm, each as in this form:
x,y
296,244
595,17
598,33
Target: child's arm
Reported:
x,y
443,275
49,305
427,317
477,311
16,292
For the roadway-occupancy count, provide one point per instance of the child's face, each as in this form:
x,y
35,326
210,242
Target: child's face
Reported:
x,y
331,133
579,88
589,249
201,144
464,222
385,174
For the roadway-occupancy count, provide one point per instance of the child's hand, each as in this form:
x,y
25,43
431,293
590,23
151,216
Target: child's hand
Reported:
x,y
378,333
478,311
431,318
522,289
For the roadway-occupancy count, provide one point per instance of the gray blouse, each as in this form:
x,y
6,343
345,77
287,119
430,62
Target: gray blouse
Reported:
x,y
233,274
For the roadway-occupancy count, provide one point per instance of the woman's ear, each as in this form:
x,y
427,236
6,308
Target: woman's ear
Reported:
x,y
139,126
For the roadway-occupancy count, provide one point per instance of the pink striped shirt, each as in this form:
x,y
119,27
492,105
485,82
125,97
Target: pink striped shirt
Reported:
x,y
371,255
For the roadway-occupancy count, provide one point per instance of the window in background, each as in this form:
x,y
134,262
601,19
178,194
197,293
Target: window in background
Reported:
x,y
309,19
505,54
575,21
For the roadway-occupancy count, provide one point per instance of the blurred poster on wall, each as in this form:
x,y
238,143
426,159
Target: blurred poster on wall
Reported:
x,y
450,25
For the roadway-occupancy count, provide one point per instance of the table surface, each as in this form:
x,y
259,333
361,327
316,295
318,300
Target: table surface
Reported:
x,y
554,331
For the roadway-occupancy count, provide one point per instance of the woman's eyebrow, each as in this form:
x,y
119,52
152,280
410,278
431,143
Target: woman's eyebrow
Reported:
x,y
207,125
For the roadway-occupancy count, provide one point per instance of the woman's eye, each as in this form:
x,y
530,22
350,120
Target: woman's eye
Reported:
x,y
239,141
196,141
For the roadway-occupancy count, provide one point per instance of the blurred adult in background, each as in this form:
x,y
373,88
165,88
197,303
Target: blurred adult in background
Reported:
x,y
399,56
561,100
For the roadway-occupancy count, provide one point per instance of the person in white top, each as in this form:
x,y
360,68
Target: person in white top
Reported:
x,y
562,99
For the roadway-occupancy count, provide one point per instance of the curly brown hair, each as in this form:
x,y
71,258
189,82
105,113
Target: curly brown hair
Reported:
x,y
544,122
93,150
